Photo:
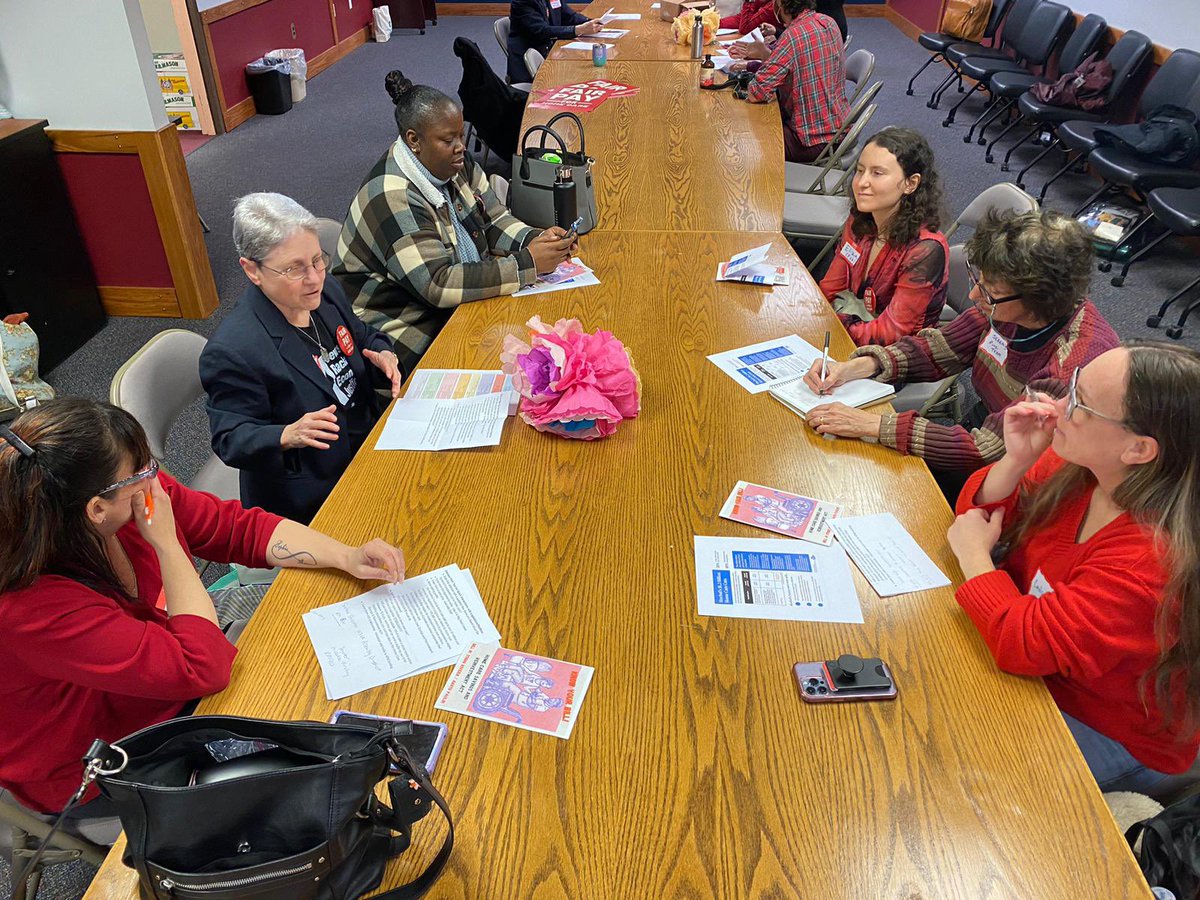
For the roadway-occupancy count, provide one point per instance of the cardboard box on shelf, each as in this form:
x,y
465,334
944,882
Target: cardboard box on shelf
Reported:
x,y
174,84
169,64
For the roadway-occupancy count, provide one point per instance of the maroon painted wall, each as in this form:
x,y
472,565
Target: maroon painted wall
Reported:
x,y
922,13
244,37
350,20
113,208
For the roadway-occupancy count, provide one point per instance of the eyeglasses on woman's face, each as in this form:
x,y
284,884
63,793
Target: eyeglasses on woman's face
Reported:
x,y
1074,404
976,279
300,272
144,475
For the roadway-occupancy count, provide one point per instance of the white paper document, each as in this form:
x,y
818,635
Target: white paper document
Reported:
x,y
397,630
584,45
567,275
656,6
722,32
445,424
610,34
799,397
454,384
621,17
754,578
762,366
725,63
887,555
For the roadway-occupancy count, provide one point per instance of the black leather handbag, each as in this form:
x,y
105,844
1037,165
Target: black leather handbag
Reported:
x,y
222,807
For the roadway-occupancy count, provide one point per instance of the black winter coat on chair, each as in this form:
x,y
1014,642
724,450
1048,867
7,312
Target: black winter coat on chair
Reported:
x,y
494,108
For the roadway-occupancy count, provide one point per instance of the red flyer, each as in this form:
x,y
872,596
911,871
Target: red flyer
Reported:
x,y
583,97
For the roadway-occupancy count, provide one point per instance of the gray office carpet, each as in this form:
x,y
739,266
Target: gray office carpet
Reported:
x,y
319,151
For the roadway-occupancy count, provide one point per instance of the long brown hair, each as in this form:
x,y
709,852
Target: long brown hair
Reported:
x,y
921,208
79,447
1163,495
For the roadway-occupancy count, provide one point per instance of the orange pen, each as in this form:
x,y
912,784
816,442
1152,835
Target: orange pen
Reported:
x,y
149,509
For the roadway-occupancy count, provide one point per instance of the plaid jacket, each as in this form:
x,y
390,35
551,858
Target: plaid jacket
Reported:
x,y
397,255
807,65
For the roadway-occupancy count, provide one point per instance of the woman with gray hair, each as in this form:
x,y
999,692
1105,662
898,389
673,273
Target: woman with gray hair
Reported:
x,y
291,372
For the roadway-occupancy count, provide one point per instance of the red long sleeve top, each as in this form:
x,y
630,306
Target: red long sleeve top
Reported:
x,y
752,14
81,665
1082,616
905,288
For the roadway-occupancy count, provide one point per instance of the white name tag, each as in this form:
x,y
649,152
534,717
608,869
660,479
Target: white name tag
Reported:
x,y
995,346
1039,585
555,4
849,254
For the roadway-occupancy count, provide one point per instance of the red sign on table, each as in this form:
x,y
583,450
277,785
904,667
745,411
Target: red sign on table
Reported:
x,y
583,97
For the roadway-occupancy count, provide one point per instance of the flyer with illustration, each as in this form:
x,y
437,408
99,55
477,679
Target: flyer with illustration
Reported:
x,y
519,689
781,512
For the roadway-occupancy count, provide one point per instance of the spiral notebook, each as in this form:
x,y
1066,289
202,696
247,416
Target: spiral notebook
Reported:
x,y
799,398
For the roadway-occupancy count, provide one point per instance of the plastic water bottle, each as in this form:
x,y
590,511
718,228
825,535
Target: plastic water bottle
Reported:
x,y
698,37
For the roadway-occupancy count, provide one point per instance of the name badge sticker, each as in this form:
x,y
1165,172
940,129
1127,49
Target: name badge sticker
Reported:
x,y
345,341
850,254
555,4
995,346
1039,586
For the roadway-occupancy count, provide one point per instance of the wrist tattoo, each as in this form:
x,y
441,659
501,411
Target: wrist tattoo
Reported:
x,y
281,552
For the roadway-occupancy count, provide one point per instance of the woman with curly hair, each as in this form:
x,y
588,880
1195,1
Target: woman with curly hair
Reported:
x,y
1030,327
891,269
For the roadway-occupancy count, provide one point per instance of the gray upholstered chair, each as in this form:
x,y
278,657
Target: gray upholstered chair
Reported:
x,y
327,235
831,176
500,28
860,66
533,61
499,187
156,385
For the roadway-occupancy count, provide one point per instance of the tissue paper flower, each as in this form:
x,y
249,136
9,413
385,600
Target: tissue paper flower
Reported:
x,y
682,26
572,383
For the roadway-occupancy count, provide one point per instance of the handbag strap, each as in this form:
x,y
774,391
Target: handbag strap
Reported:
x,y
578,124
544,130
423,882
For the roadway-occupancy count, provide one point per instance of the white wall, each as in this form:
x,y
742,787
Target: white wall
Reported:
x,y
1170,23
80,65
160,26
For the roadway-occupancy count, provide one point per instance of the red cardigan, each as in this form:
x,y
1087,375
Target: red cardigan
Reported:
x,y
752,14
80,665
1090,633
905,288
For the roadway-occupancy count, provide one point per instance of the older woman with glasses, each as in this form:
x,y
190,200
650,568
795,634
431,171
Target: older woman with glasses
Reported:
x,y
105,626
291,373
1030,325
1079,549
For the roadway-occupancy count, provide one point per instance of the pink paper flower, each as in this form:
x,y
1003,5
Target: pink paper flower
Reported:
x,y
572,383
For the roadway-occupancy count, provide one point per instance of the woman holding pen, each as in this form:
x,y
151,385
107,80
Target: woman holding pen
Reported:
x,y
1079,549
105,626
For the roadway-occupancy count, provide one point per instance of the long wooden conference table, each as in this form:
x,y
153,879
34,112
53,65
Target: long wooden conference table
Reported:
x,y
694,769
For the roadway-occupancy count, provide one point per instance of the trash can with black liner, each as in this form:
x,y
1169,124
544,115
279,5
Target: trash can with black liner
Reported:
x,y
270,85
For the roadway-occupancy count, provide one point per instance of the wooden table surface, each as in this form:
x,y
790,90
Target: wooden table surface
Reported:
x,y
649,38
694,768
673,157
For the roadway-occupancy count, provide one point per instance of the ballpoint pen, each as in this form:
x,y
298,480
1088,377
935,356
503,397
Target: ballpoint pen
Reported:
x,y
824,361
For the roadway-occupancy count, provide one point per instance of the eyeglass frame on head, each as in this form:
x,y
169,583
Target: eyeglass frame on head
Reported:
x,y
977,281
150,471
290,272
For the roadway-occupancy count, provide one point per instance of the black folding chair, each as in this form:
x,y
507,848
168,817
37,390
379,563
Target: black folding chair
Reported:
x,y
1046,28
1178,210
1014,23
938,42
1007,87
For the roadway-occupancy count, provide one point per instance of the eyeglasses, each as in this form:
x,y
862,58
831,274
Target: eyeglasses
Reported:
x,y
298,273
1074,404
976,282
149,472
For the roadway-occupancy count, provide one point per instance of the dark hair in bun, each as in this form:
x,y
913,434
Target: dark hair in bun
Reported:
x,y
417,105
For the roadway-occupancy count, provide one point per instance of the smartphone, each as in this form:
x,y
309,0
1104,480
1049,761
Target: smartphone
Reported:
x,y
425,742
844,679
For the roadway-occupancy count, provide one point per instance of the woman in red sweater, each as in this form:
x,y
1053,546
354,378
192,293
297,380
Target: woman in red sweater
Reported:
x,y
891,269
752,14
1093,514
91,535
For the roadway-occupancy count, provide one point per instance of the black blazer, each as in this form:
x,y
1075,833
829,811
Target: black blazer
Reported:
x,y
535,24
260,376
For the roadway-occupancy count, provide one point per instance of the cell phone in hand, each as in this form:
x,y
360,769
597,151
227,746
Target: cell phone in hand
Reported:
x,y
845,679
425,742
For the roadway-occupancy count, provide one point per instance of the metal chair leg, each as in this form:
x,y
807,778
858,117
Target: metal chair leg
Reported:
x,y
1175,332
936,96
949,120
1003,109
1119,279
1054,144
935,56
987,155
1157,318
989,112
1073,156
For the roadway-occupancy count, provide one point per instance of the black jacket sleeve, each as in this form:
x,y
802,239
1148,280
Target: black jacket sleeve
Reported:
x,y
239,410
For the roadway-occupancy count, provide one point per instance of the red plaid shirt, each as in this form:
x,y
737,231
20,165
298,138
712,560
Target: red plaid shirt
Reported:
x,y
807,64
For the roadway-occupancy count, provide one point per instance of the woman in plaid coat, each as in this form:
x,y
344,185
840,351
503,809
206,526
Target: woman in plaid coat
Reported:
x,y
425,232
